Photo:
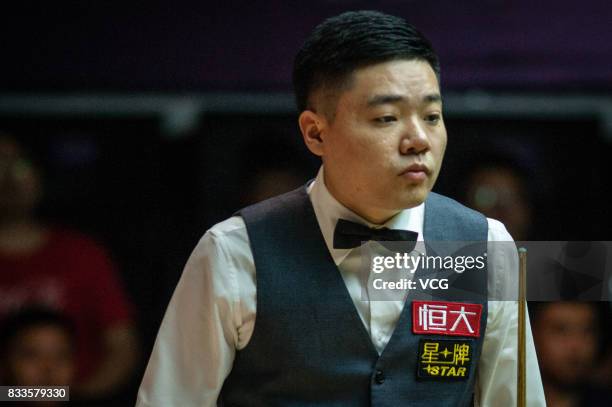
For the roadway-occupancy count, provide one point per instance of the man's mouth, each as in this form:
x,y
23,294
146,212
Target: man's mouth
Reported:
x,y
416,172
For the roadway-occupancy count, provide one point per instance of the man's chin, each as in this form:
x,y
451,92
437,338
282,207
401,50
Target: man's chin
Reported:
x,y
414,198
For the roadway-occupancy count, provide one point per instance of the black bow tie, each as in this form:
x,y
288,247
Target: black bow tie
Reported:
x,y
348,235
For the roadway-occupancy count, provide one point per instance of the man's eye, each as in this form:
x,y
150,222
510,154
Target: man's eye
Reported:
x,y
385,119
433,118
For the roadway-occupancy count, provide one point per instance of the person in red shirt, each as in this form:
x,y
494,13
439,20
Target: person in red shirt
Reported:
x,y
65,271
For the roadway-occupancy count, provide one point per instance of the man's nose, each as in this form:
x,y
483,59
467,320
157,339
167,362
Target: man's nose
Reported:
x,y
414,137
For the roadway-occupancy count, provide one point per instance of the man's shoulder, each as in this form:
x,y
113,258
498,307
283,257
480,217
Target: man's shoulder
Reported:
x,y
447,219
229,227
448,211
284,209
226,241
233,230
445,203
496,230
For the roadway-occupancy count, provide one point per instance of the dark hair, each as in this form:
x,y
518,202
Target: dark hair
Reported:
x,y
352,40
29,317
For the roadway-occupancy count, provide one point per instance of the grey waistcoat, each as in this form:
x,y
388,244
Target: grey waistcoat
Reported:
x,y
309,346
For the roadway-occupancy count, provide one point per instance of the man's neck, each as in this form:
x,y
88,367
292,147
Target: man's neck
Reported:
x,y
373,216
376,216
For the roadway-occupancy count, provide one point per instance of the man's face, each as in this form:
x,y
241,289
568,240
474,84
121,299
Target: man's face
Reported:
x,y
499,194
41,356
383,149
566,340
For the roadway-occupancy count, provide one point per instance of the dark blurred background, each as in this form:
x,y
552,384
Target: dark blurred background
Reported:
x,y
153,121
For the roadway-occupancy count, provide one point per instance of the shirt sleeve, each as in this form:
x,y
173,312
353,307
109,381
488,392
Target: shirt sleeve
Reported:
x,y
196,343
497,369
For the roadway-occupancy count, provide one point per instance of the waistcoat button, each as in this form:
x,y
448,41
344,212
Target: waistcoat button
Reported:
x,y
379,377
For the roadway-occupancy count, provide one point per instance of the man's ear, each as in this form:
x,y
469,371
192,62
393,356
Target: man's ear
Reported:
x,y
312,126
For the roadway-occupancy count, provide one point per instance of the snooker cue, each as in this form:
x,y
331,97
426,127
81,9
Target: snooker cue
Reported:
x,y
521,371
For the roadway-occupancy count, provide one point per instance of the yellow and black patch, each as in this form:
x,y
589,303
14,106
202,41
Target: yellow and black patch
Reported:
x,y
441,359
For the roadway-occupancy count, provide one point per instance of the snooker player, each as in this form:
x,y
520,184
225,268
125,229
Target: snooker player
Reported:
x,y
269,310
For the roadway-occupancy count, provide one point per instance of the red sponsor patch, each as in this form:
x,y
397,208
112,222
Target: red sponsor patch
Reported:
x,y
446,318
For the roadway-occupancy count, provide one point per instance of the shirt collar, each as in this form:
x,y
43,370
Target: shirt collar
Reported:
x,y
328,210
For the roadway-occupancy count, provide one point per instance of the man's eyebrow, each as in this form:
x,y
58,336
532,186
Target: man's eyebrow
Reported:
x,y
378,100
432,98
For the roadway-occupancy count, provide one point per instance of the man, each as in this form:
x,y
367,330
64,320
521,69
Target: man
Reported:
x,y
51,266
37,349
269,310
499,188
567,339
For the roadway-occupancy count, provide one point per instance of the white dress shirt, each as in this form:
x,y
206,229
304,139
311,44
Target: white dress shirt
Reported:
x,y
212,313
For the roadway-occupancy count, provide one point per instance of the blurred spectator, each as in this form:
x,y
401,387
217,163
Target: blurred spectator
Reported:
x,y
498,188
272,182
65,271
567,339
37,348
272,168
